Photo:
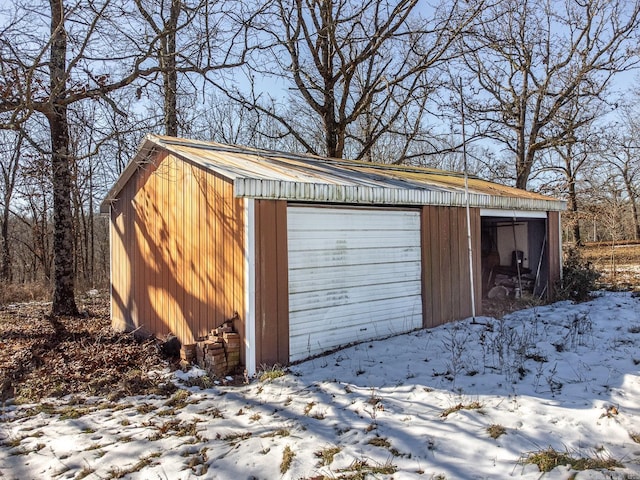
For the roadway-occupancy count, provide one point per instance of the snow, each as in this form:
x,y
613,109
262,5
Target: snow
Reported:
x,y
563,376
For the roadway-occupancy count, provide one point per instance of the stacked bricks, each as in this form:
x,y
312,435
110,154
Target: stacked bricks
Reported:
x,y
231,343
218,353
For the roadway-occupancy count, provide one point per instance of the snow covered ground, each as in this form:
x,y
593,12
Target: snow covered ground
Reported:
x,y
561,379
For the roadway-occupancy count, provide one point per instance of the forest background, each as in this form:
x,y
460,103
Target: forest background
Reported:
x,y
547,89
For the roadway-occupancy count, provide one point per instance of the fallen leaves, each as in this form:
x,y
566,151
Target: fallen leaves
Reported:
x,y
52,357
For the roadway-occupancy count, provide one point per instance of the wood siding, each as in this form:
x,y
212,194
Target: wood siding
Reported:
x,y
553,251
177,258
272,294
446,293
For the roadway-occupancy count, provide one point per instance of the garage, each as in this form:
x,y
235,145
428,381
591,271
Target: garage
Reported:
x,y
354,274
300,254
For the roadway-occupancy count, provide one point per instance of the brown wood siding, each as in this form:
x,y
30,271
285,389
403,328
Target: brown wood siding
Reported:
x,y
177,241
427,267
553,251
445,262
121,288
272,284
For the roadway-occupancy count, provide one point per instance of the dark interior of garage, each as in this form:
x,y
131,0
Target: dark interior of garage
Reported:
x,y
514,252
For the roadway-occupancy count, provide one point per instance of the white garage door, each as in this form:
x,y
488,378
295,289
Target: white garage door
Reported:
x,y
354,275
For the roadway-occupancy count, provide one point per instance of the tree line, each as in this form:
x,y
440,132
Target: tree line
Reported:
x,y
547,87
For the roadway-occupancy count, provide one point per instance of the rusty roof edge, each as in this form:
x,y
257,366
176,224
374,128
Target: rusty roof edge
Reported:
x,y
332,193
146,147
167,142
329,193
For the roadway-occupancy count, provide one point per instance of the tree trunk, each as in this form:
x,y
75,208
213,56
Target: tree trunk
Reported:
x,y
91,233
524,157
5,265
523,171
5,262
634,207
64,302
169,73
573,208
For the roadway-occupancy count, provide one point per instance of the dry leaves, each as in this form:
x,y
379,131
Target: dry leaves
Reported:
x,y
52,357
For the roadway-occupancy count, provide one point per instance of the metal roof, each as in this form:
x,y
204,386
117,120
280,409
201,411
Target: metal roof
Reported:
x,y
264,174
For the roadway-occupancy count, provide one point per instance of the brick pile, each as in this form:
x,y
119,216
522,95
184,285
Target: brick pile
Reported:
x,y
218,353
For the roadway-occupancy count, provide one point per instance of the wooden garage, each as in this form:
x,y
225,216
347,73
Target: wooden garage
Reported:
x,y
305,254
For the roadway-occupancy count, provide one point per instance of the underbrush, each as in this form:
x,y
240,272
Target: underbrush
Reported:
x,y
23,292
53,357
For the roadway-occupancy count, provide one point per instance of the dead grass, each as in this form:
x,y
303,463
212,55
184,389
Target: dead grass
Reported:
x,y
547,460
498,308
85,472
496,431
308,407
23,292
601,253
281,432
234,438
326,455
179,400
116,472
287,458
16,441
361,470
268,374
618,264
379,442
461,406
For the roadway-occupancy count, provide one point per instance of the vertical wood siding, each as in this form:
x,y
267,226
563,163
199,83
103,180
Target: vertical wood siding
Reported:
x,y
446,294
553,251
272,292
176,251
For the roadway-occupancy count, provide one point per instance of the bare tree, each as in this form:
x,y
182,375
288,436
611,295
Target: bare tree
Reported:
x,y
622,161
61,54
195,39
572,157
528,60
45,78
33,215
582,120
350,72
10,151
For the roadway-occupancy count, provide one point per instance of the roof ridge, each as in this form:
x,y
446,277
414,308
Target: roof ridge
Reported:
x,y
216,146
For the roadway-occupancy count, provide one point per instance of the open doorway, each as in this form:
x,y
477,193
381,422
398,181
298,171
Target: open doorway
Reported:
x,y
514,256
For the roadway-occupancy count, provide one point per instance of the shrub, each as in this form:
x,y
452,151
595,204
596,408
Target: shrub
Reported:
x,y
578,278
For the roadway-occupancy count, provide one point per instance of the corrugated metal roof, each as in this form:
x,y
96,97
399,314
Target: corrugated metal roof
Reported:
x,y
267,174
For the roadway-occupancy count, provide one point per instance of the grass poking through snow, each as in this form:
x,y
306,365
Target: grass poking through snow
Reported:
x,y
547,460
461,406
271,373
361,470
287,458
326,455
495,431
116,472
